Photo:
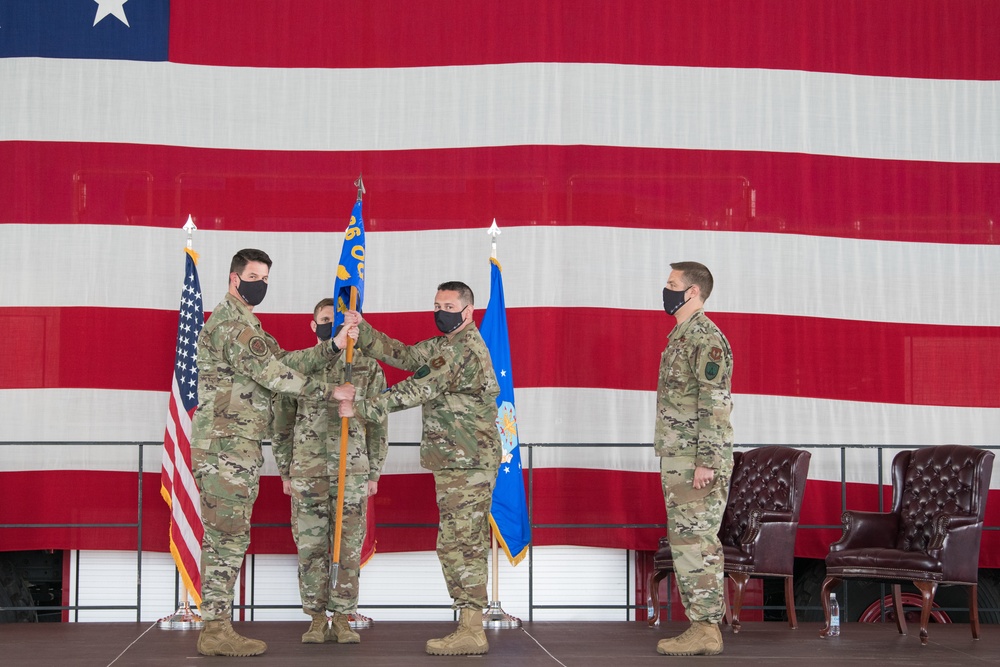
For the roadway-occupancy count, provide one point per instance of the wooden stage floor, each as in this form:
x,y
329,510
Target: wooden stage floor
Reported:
x,y
580,644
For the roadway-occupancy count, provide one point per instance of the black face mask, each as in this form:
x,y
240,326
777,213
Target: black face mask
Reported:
x,y
447,322
252,291
674,299
324,331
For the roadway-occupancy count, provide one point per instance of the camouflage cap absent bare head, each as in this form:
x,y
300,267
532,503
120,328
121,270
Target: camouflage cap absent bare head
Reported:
x,y
465,294
245,256
323,303
698,274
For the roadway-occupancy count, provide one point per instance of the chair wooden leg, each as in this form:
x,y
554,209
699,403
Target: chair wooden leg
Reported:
x,y
793,621
824,593
897,606
974,610
927,590
654,596
740,581
727,614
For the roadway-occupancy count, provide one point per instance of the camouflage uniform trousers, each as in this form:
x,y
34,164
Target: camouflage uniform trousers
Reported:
x,y
227,474
693,521
314,517
463,543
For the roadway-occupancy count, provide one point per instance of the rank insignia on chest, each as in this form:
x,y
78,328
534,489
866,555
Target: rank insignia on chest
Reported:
x,y
258,346
715,354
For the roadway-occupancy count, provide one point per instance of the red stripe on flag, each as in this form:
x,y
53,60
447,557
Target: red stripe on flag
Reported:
x,y
884,38
288,191
776,355
559,495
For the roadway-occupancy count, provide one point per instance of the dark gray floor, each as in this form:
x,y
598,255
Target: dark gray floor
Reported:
x,y
581,644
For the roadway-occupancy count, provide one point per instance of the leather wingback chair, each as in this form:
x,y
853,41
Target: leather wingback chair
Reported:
x,y
930,536
759,525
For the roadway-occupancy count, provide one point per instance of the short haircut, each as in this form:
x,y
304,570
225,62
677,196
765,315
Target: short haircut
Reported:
x,y
696,274
321,305
464,292
245,256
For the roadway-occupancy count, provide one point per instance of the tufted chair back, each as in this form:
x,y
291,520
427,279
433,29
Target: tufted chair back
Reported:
x,y
931,482
767,478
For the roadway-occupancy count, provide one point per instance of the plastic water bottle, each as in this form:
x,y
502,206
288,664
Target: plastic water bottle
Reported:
x,y
650,612
834,630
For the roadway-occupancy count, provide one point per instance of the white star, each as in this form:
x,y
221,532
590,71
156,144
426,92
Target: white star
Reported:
x,y
506,469
111,7
190,395
503,372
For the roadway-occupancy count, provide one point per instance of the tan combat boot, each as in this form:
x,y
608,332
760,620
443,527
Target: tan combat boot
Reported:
x,y
316,634
219,638
468,639
341,631
702,638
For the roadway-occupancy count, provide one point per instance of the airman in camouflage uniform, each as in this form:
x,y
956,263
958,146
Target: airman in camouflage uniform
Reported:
x,y
239,367
306,445
454,382
694,440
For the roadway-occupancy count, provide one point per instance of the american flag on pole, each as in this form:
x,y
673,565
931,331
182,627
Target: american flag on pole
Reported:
x,y
178,486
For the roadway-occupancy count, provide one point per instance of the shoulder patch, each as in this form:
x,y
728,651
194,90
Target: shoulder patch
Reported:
x,y
246,333
437,363
711,370
422,372
258,346
715,354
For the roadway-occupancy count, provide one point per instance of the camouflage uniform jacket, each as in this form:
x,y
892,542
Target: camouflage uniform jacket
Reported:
x,y
306,436
239,366
454,382
693,395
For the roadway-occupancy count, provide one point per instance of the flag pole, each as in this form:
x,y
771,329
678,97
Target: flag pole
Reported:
x,y
495,617
184,618
344,425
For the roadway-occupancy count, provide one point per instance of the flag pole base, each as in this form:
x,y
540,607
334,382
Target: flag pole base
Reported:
x,y
182,619
495,618
359,621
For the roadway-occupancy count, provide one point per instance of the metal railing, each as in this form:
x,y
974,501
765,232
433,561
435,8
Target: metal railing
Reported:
x,y
627,606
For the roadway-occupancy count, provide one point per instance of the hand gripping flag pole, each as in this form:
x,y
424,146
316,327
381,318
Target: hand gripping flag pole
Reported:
x,y
351,278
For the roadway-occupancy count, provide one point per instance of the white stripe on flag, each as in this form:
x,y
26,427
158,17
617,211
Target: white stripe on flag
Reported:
x,y
553,415
563,267
409,108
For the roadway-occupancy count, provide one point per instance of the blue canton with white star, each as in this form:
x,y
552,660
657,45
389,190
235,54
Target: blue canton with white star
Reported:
x,y
192,319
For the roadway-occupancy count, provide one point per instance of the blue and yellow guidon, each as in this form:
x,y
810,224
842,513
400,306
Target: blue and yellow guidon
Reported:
x,y
351,270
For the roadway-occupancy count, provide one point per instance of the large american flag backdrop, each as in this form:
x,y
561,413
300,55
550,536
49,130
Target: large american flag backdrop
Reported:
x,y
836,163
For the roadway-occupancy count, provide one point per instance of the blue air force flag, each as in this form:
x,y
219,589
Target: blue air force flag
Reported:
x,y
351,270
509,513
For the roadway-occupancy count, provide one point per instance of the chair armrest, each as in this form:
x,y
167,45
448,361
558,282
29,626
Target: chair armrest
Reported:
x,y
758,517
943,523
867,529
